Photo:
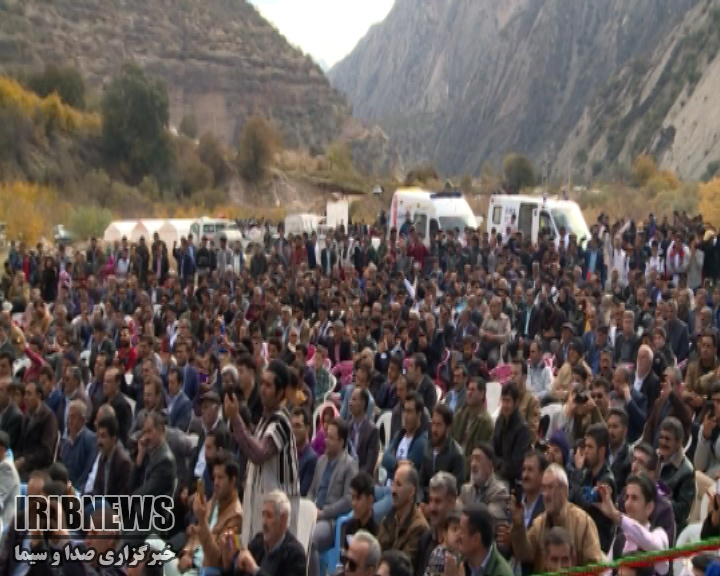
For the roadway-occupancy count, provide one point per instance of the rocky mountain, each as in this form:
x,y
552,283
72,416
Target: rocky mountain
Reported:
x,y
664,104
221,60
460,82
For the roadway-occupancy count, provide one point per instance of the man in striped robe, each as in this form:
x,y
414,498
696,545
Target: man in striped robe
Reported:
x,y
271,452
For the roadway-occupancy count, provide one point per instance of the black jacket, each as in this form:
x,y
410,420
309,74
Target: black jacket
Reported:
x,y
11,422
621,467
582,478
288,560
650,388
511,440
680,481
450,459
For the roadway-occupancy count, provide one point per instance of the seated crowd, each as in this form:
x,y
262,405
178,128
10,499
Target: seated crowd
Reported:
x,y
478,406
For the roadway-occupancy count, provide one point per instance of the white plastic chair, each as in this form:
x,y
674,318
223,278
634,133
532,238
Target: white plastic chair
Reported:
x,y
131,402
333,385
690,534
383,424
307,515
85,357
194,438
704,507
493,391
553,411
439,392
495,414
318,414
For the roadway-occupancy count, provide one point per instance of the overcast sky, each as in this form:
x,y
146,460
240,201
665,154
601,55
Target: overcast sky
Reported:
x,y
325,29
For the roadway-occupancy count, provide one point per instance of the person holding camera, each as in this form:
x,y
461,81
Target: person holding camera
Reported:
x,y
591,469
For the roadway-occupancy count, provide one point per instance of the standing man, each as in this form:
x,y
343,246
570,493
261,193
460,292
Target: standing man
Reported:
x,y
271,451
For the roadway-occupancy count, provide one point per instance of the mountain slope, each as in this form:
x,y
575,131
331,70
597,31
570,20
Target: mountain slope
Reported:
x,y
221,60
458,82
665,105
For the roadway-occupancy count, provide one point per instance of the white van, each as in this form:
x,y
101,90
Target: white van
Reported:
x,y
214,227
431,211
535,213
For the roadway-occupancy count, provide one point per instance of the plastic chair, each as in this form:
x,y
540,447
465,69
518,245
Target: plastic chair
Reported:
x,y
439,392
333,388
193,438
439,382
307,516
492,395
131,402
690,534
327,364
317,415
704,507
383,424
85,357
552,411
330,558
344,372
501,373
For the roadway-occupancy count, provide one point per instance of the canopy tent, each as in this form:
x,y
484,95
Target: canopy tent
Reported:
x,y
116,230
139,230
168,233
146,228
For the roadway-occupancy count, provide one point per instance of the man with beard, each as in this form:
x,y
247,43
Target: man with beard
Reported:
x,y
443,454
484,485
126,354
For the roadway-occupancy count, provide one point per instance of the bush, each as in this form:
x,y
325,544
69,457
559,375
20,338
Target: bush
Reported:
x,y
27,210
188,127
643,169
67,83
89,221
259,141
212,153
422,174
340,157
135,119
518,171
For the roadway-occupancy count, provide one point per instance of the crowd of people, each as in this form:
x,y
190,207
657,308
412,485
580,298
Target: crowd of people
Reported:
x,y
473,404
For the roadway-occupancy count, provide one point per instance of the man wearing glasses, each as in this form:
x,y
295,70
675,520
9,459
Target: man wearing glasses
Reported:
x,y
363,555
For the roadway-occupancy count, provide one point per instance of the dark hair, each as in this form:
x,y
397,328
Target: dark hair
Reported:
x,y
342,429
542,460
420,361
487,449
518,359
445,413
58,472
398,563
417,399
364,396
394,359
363,484
649,451
620,413
281,374
47,371
110,424
647,486
599,433
178,374
602,382
672,424
303,414
38,389
558,536
511,390
232,469
246,360
480,522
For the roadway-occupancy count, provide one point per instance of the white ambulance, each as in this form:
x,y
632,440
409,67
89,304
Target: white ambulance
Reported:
x,y
535,213
431,211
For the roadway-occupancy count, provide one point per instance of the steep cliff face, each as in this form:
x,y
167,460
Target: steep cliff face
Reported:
x,y
221,60
459,82
665,105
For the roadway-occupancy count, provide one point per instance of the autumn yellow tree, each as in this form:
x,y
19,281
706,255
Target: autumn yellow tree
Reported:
x,y
27,211
709,205
643,169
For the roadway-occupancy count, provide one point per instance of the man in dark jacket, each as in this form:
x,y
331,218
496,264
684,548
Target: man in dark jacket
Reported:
x,y
676,471
11,417
425,387
591,468
39,436
443,454
511,439
286,556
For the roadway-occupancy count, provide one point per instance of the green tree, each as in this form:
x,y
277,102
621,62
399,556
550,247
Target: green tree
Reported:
x,y
135,118
212,154
259,141
66,81
340,157
518,171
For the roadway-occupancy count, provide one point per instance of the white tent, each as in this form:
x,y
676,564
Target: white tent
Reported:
x,y
168,233
182,226
116,230
152,226
139,230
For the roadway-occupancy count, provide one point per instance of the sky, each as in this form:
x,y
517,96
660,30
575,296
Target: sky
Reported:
x,y
326,29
